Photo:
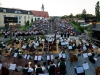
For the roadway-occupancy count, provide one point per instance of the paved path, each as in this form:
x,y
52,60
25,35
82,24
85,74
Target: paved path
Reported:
x,y
48,35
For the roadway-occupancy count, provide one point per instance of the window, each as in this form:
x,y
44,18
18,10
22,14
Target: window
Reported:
x,y
25,22
28,12
4,15
19,21
19,12
28,17
94,26
25,17
15,11
20,17
4,10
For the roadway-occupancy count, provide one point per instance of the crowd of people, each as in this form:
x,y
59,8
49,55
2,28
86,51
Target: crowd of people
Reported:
x,y
18,46
23,52
39,27
63,26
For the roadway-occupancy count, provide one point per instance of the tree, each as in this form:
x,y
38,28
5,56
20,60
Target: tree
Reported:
x,y
27,23
63,17
79,16
83,13
97,11
31,20
71,15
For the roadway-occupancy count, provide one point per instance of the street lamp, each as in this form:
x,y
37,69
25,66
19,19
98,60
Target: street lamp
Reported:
x,y
11,24
91,31
48,39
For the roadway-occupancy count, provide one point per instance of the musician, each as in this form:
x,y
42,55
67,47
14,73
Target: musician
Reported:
x,y
68,34
62,66
25,69
5,70
1,44
17,41
74,45
24,47
30,69
5,35
51,68
28,46
84,48
61,34
38,69
64,34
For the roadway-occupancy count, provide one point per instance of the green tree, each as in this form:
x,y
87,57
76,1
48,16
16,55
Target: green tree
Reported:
x,y
63,17
71,15
31,20
27,23
79,16
83,13
97,11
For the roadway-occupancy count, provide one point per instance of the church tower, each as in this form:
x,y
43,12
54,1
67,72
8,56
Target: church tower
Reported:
x,y
42,8
0,5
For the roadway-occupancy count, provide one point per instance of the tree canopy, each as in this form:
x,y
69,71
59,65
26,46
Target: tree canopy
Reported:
x,y
97,11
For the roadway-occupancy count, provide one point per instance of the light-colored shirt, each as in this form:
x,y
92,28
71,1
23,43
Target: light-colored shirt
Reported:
x,y
30,69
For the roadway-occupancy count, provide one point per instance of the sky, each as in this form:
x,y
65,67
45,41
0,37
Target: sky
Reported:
x,y
54,7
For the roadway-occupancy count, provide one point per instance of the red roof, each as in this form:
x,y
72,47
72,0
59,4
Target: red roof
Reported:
x,y
40,13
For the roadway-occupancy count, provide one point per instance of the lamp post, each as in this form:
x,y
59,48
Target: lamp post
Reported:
x,y
10,24
48,39
91,31
51,25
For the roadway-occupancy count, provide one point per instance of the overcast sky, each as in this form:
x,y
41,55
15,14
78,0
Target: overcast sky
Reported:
x,y
54,7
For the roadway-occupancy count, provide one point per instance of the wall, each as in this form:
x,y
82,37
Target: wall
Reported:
x,y
35,17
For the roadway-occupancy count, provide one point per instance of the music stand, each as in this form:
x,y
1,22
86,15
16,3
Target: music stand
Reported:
x,y
85,66
35,59
28,57
39,58
12,67
25,56
0,66
15,55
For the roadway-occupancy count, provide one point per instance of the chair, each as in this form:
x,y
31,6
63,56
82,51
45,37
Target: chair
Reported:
x,y
97,70
57,71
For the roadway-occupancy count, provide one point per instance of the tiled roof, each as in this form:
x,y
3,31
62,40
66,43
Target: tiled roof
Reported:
x,y
13,10
40,13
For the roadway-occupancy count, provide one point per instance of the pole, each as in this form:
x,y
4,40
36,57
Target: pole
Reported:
x,y
51,25
10,32
91,34
48,40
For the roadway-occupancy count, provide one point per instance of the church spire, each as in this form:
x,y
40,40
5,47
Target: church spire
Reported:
x,y
42,8
0,5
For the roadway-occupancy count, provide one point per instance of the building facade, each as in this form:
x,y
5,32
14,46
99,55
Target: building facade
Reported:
x,y
22,15
39,15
